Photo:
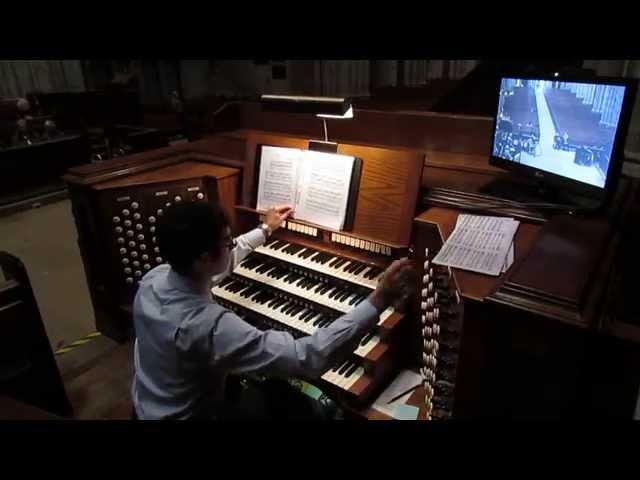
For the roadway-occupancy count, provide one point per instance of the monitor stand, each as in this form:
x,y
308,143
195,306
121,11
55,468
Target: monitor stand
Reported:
x,y
521,192
518,192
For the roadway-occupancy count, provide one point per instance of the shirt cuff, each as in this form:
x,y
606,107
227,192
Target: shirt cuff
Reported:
x,y
255,237
365,314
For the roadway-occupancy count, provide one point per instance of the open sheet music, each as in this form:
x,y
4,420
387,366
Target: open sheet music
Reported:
x,y
316,184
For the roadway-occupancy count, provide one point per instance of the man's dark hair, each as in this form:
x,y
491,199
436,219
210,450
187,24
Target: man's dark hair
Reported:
x,y
189,229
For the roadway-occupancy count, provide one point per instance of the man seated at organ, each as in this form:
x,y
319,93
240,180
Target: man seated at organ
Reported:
x,y
187,345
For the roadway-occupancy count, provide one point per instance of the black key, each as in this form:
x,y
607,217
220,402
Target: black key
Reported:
x,y
334,261
295,278
280,304
351,370
288,276
263,268
373,274
318,320
276,303
345,266
335,369
279,244
343,295
270,241
332,293
340,263
307,315
366,339
326,258
307,253
281,273
319,287
248,291
360,300
359,269
354,267
354,300
295,249
344,368
311,284
327,321
326,288
350,267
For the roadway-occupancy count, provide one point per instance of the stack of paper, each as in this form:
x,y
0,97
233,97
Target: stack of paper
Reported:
x,y
398,408
480,244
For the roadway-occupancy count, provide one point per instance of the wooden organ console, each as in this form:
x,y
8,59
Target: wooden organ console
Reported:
x,y
544,339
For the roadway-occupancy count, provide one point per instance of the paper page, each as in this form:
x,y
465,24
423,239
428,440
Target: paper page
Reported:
x,y
278,177
399,409
509,260
479,243
324,189
403,381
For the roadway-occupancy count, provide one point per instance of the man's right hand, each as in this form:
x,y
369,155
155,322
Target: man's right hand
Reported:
x,y
397,285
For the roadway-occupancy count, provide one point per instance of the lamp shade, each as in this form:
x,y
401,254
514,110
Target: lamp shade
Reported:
x,y
334,106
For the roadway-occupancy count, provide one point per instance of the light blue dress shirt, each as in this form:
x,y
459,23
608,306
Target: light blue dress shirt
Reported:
x,y
186,344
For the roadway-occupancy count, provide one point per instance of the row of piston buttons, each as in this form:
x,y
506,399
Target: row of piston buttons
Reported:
x,y
139,227
137,216
140,237
435,287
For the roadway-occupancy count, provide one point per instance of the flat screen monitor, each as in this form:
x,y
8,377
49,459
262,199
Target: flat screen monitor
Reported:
x,y
567,133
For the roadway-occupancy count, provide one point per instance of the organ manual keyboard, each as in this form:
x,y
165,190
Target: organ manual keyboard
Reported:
x,y
305,276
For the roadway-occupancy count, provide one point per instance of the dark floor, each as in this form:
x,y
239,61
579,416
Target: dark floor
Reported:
x,y
96,375
97,380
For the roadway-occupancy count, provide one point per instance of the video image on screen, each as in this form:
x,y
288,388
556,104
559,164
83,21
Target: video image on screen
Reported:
x,y
565,128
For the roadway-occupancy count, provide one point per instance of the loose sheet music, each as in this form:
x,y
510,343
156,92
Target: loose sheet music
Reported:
x,y
480,244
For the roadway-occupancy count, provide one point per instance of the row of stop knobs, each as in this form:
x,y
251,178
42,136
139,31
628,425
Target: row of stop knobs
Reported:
x,y
437,305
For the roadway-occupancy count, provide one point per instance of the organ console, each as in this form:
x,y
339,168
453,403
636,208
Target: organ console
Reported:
x,y
540,340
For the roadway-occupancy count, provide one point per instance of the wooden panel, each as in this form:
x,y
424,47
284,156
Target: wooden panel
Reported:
x,y
388,192
388,187
228,194
180,171
409,129
573,244
225,146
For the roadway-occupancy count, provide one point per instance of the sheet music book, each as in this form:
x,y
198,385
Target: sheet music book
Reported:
x,y
320,186
480,244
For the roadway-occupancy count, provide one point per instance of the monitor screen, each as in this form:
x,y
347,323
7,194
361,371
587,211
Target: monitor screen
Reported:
x,y
560,127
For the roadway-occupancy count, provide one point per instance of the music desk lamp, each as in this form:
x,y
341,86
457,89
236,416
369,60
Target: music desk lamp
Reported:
x,y
321,107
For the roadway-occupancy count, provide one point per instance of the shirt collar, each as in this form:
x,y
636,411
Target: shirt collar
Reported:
x,y
183,284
